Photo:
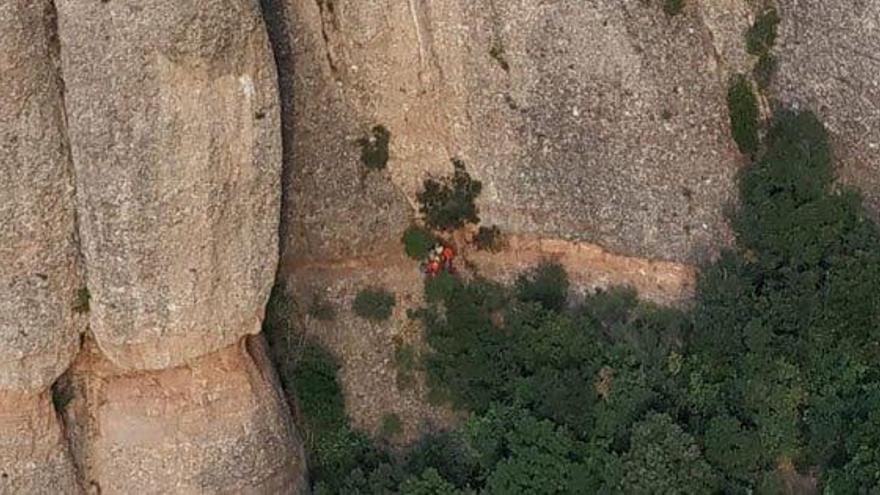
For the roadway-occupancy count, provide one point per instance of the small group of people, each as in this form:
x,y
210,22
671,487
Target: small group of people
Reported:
x,y
439,258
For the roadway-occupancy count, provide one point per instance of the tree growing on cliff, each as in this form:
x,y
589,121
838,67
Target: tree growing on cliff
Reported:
x,y
447,203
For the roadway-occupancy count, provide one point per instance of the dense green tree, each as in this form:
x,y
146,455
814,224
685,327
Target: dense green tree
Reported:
x,y
665,459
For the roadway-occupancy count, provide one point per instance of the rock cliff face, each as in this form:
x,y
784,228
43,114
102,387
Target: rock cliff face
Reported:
x,y
141,182
140,146
602,121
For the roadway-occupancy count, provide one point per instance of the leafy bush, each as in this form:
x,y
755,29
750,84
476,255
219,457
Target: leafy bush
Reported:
x,y
489,239
82,300
391,426
405,363
546,284
418,241
373,304
764,70
762,35
743,108
319,396
321,309
374,149
448,203
673,7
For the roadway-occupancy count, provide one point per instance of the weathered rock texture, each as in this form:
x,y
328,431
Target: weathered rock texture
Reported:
x,y
173,115
34,457
829,54
603,121
39,273
39,277
216,425
163,140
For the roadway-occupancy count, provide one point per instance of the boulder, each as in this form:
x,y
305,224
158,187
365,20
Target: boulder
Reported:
x,y
175,136
39,274
216,425
34,457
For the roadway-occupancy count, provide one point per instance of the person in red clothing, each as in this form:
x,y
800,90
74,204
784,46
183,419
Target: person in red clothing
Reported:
x,y
447,255
433,268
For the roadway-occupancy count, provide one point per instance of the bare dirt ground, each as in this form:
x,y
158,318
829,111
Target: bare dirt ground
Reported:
x,y
370,373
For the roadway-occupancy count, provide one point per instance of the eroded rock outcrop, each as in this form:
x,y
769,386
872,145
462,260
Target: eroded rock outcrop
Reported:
x,y
170,112
174,127
34,455
600,121
39,272
217,425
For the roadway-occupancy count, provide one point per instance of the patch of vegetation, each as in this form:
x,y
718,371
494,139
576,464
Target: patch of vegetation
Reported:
x,y
496,51
321,309
547,285
764,70
448,203
374,149
743,108
418,241
81,303
406,363
489,239
673,7
762,35
62,393
391,426
374,304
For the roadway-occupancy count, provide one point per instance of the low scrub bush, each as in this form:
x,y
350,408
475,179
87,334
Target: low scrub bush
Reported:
x,y
448,203
375,304
374,149
742,106
489,239
762,35
418,241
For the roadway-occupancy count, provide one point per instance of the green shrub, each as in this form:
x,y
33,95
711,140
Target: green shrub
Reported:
x,y
406,363
418,241
319,396
374,149
62,393
762,35
374,304
743,108
764,70
489,239
448,203
673,7
391,426
496,51
546,284
82,300
321,309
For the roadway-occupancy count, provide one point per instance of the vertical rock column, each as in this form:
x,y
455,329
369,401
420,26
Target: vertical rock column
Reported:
x,y
39,275
175,136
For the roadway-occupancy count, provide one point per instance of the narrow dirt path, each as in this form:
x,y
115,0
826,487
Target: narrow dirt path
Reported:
x,y
589,266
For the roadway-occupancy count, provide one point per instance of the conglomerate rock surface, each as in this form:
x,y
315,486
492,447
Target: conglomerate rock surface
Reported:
x,y
140,159
140,146
602,121
173,116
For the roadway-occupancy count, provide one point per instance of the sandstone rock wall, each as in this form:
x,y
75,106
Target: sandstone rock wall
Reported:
x,y
601,121
140,158
39,270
